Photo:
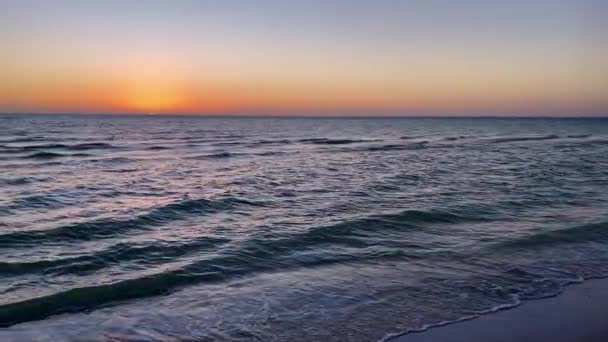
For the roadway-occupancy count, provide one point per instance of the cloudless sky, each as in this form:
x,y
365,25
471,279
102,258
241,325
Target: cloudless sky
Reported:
x,y
321,57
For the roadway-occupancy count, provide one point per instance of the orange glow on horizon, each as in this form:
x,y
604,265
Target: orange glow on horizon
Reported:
x,y
172,86
154,100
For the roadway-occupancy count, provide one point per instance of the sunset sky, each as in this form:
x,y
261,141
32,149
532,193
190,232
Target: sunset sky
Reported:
x,y
299,57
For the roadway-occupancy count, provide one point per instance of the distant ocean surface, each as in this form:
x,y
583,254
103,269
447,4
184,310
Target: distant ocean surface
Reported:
x,y
124,228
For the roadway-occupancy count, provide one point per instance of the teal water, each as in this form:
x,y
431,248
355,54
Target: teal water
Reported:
x,y
264,229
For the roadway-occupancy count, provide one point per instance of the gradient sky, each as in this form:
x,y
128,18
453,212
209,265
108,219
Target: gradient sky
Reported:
x,y
333,57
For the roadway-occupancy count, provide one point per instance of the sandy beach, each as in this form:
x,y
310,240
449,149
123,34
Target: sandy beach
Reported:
x,y
579,314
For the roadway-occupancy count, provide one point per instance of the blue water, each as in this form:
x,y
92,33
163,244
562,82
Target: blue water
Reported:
x,y
265,229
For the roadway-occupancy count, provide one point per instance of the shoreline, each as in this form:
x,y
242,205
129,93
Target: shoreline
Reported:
x,y
578,314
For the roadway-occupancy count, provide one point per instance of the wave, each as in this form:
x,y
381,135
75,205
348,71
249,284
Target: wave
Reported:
x,y
76,147
259,254
460,137
226,266
16,150
44,155
356,232
500,307
226,155
10,150
593,232
19,181
158,148
359,233
42,147
596,142
227,143
86,298
114,160
271,153
219,155
576,141
52,155
516,299
327,141
24,139
107,228
122,170
398,147
118,253
92,146
523,138
36,201
270,142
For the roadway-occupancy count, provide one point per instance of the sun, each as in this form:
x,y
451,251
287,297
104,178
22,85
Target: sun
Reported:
x,y
153,84
152,98
154,101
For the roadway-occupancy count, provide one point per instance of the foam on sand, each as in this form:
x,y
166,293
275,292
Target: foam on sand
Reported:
x,y
578,314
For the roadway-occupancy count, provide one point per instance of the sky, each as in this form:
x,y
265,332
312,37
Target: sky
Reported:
x,y
305,57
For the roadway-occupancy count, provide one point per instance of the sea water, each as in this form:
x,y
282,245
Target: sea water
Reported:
x,y
164,228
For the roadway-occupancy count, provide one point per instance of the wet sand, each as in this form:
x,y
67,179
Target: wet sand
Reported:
x,y
579,314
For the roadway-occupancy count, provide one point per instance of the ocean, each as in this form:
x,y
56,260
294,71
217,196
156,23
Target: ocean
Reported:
x,y
160,228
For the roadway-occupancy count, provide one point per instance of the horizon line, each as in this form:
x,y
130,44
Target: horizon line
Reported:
x,y
328,116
